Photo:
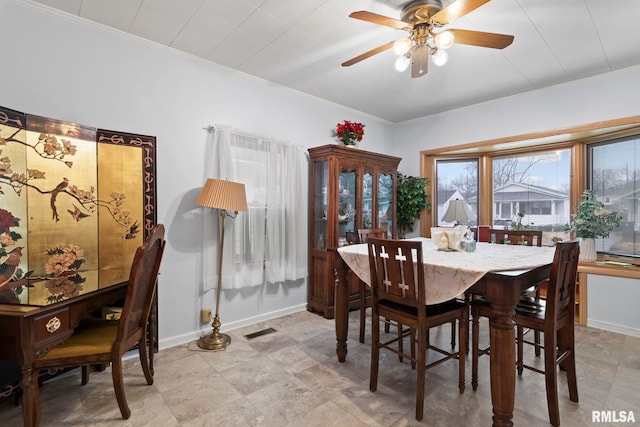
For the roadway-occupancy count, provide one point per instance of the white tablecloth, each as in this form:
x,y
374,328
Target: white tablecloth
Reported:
x,y
449,274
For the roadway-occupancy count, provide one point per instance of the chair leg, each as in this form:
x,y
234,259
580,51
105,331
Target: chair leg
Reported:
x,y
363,309
453,335
422,362
375,352
566,340
144,358
412,341
520,343
536,340
467,300
85,374
475,351
118,386
536,334
551,378
463,330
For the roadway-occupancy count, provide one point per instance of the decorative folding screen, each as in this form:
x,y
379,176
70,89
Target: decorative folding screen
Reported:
x,y
75,203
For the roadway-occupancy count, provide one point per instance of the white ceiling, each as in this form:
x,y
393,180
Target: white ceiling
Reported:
x,y
301,44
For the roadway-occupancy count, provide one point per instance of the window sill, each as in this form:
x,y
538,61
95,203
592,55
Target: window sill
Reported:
x,y
610,268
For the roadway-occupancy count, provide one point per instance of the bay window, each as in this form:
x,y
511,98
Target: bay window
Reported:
x,y
535,181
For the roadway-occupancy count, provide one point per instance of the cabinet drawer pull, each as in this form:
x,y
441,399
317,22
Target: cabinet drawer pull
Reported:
x,y
53,325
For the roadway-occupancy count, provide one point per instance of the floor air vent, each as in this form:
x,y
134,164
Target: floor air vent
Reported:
x,y
259,333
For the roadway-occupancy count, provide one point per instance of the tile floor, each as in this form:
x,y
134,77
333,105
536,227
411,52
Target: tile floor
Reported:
x,y
292,378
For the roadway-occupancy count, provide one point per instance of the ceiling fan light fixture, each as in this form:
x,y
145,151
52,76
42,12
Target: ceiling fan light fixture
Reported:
x,y
402,63
402,46
424,20
440,57
419,61
444,39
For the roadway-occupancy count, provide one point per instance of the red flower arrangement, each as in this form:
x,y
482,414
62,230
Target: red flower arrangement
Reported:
x,y
349,133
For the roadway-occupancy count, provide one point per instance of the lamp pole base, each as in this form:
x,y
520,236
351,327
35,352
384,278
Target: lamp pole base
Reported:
x,y
214,341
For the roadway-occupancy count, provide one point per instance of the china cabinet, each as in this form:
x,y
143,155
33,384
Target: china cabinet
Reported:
x,y
349,188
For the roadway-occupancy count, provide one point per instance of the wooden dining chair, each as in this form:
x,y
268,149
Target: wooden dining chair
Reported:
x,y
105,342
398,294
525,238
363,236
478,307
554,317
516,237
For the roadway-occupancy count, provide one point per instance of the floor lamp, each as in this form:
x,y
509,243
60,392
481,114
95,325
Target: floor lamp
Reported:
x,y
225,196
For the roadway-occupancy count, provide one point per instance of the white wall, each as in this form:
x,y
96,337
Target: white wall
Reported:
x,y
57,66
612,304
605,97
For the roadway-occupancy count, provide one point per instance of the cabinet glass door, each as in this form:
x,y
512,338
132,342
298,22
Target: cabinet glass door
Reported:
x,y
320,204
385,200
367,201
347,211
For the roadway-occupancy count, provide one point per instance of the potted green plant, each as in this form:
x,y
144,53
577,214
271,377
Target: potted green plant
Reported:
x,y
590,221
411,198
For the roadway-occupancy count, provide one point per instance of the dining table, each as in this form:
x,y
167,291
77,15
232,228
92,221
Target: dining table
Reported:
x,y
499,272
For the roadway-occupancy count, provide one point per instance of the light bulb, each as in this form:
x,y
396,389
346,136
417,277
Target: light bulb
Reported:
x,y
443,40
402,63
440,57
402,46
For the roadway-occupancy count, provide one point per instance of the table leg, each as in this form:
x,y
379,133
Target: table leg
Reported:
x,y
502,355
341,307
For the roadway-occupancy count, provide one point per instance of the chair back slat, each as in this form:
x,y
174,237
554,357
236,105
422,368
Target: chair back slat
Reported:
x,y
396,273
142,287
562,281
365,233
517,237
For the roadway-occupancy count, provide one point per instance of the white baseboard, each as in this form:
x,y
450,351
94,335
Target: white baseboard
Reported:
x,y
625,330
183,339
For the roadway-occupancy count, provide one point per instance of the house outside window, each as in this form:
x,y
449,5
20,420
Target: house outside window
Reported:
x,y
532,191
614,174
456,179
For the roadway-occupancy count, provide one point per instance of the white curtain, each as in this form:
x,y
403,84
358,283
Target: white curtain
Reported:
x,y
268,243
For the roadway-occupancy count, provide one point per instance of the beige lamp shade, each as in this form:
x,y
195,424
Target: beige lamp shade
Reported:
x,y
222,194
458,211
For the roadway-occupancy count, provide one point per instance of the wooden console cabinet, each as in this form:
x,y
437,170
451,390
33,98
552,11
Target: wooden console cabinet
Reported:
x,y
349,188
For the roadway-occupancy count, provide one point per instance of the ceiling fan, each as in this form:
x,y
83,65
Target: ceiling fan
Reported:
x,y
424,19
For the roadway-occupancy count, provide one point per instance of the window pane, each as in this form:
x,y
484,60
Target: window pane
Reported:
x,y
614,176
456,179
532,192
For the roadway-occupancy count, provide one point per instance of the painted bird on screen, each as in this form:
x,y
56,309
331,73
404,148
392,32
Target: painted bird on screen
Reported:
x,y
9,267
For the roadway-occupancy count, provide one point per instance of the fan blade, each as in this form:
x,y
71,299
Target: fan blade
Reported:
x,y
368,54
479,38
457,9
380,19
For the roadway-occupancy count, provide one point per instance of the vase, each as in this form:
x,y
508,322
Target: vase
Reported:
x,y
588,250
